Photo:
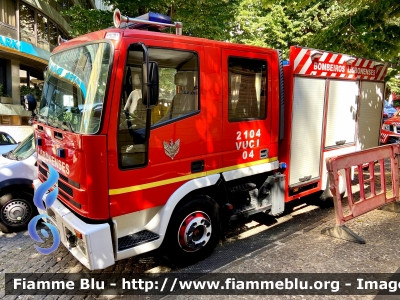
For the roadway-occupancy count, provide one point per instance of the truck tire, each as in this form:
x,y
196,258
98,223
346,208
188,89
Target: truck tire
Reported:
x,y
193,231
16,210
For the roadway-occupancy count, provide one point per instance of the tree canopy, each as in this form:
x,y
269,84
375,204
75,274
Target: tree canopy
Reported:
x,y
363,28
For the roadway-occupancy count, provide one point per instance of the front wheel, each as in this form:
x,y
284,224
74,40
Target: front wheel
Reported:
x,y
16,210
193,231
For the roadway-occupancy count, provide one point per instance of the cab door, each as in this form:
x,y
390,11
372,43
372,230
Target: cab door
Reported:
x,y
247,94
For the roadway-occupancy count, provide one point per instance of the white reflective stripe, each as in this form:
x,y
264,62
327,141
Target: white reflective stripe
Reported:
x,y
323,57
244,172
333,58
358,62
366,63
342,75
324,73
305,67
333,74
299,57
313,73
341,61
383,70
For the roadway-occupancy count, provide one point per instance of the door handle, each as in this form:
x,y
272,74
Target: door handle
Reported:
x,y
197,166
305,178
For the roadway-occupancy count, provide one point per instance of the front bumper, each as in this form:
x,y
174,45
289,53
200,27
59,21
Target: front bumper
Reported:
x,y
94,250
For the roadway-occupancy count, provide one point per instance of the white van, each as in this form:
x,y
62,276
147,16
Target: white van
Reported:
x,y
18,168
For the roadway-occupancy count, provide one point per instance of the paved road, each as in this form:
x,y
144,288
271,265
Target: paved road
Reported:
x,y
18,255
292,243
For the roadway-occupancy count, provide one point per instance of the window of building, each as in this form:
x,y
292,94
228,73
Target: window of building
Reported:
x,y
31,82
42,32
247,89
47,32
27,24
3,77
178,98
53,35
7,12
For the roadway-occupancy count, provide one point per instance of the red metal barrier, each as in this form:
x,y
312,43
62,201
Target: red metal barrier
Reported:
x,y
375,199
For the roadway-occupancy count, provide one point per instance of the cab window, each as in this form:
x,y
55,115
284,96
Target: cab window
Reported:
x,y
178,98
247,89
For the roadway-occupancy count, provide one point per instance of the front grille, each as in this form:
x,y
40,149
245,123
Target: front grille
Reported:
x,y
65,188
65,191
42,171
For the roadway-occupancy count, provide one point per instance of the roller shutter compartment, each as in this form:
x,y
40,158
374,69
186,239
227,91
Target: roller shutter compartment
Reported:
x,y
370,114
307,126
341,113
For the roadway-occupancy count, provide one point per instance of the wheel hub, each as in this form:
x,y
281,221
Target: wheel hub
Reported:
x,y
16,212
195,231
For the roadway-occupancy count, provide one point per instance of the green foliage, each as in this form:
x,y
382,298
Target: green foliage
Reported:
x,y
35,91
87,20
363,28
393,82
2,94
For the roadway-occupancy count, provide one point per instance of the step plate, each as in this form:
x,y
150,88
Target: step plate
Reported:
x,y
136,239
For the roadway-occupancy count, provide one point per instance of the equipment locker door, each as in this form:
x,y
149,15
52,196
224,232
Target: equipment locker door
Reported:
x,y
341,113
370,114
246,107
307,128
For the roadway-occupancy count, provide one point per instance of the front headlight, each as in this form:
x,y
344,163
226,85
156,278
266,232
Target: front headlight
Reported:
x,y
386,127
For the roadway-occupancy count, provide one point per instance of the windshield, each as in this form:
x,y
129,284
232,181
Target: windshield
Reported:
x,y
23,150
74,89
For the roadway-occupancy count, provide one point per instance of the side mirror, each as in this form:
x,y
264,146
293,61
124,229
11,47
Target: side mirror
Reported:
x,y
150,86
30,102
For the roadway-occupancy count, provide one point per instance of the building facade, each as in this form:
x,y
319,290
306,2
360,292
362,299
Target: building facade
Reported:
x,y
29,31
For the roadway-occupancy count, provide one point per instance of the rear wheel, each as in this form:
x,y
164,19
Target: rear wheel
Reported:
x,y
193,231
16,210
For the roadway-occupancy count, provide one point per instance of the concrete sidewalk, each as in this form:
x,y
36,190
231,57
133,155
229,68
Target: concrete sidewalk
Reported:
x,y
309,251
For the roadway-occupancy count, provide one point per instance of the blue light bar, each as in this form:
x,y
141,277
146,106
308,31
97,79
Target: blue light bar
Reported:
x,y
152,17
155,17
149,20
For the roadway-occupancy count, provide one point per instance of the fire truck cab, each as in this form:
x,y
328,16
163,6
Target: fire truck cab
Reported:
x,y
160,139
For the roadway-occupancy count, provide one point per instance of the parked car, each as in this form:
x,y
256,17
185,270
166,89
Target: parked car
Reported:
x,y
18,169
390,131
7,143
388,111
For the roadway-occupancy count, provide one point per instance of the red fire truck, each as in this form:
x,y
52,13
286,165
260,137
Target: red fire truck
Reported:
x,y
161,139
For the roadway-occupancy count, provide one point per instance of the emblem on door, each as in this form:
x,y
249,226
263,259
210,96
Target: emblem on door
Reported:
x,y
171,148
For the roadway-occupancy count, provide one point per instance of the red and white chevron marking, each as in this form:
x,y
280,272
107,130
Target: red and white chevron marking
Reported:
x,y
335,65
384,137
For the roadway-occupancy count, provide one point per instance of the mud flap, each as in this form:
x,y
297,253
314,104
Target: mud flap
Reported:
x,y
277,194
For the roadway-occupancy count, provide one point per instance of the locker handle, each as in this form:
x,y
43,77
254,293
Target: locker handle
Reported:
x,y
305,178
197,166
341,142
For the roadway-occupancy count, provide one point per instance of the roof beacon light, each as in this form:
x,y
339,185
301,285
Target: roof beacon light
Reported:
x,y
152,20
350,60
315,54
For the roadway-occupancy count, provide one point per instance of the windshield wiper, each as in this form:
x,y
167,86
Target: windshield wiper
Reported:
x,y
67,126
42,119
53,122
